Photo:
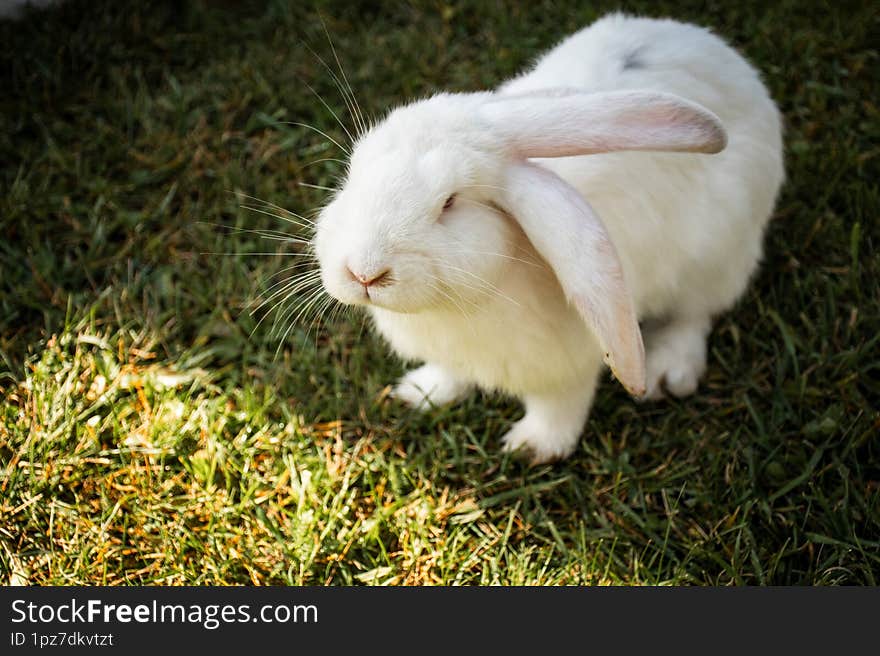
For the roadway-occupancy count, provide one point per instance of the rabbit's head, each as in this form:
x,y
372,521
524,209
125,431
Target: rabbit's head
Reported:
x,y
436,193
414,225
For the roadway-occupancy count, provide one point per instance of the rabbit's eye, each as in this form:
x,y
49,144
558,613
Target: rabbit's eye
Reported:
x,y
449,202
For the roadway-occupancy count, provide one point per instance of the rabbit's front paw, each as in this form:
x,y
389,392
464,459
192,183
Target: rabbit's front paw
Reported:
x,y
427,386
539,444
552,425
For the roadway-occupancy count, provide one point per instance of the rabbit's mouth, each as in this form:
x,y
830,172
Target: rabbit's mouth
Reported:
x,y
381,289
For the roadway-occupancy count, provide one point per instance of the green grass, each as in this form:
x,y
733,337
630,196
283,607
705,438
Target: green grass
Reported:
x,y
147,438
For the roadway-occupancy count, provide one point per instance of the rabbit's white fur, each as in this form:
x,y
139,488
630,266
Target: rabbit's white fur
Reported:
x,y
520,286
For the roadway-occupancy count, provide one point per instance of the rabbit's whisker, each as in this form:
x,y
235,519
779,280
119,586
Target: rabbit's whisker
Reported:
x,y
321,132
290,285
325,159
485,186
357,107
283,317
321,315
287,294
329,109
304,311
463,249
439,289
273,205
487,286
308,226
444,290
314,186
275,235
350,102
292,267
501,255
275,253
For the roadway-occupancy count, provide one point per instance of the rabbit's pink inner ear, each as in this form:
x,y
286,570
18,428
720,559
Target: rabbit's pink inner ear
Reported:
x,y
567,233
562,125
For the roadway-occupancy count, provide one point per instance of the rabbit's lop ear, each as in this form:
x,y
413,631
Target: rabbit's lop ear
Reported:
x,y
567,233
563,122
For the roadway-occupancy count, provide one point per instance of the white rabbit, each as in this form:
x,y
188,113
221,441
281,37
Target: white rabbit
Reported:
x,y
488,237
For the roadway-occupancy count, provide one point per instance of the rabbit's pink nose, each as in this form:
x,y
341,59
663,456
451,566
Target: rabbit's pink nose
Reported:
x,y
379,279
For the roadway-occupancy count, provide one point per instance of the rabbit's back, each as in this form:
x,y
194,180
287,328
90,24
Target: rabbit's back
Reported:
x,y
688,228
625,52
